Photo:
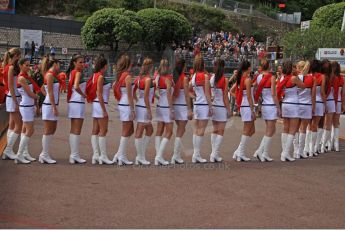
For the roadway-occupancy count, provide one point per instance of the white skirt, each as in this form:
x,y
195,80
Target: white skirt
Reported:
x,y
330,106
319,109
47,113
246,114
201,112
219,114
163,114
290,110
141,114
269,112
338,107
124,112
97,111
10,105
76,110
305,112
181,112
28,113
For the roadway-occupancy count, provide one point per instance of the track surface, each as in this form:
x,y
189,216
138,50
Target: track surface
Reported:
x,y
303,194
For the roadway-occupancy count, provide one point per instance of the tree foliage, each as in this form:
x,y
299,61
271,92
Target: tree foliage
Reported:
x,y
329,16
109,26
163,27
304,44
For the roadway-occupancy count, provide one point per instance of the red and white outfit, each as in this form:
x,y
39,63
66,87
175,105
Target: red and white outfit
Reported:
x,y
304,97
319,105
47,109
245,110
76,102
219,110
10,105
339,83
180,104
140,107
123,103
290,104
201,109
330,105
163,109
97,111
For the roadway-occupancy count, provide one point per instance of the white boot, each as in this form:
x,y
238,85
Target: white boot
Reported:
x,y
103,158
158,140
20,159
11,140
95,149
330,143
306,149
285,156
146,141
325,138
336,139
317,147
44,157
301,144
296,146
26,150
312,144
259,152
139,146
196,158
267,145
240,151
215,153
283,140
159,160
176,158
121,153
74,144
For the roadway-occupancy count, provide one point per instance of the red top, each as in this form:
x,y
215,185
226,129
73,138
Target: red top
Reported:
x,y
308,81
71,83
120,83
338,82
6,70
179,85
318,78
239,92
36,88
285,83
221,83
54,75
91,87
200,79
264,83
162,81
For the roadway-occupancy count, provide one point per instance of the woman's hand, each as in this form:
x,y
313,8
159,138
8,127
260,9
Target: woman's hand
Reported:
x,y
210,111
172,114
55,111
228,111
190,114
149,115
253,115
279,112
133,114
105,114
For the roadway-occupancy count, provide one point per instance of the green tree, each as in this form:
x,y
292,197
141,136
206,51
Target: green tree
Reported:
x,y
329,16
304,44
107,27
162,27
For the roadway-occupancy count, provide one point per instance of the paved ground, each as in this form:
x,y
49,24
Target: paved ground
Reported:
x,y
303,194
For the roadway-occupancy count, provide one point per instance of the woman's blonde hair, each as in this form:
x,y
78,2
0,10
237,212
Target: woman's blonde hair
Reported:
x,y
10,54
303,67
163,67
199,64
146,66
122,65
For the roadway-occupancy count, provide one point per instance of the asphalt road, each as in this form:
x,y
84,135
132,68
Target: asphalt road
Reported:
x,y
302,194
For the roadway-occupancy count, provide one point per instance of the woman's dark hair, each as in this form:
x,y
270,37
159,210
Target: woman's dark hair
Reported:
x,y
16,69
18,63
71,63
47,63
335,68
244,66
315,66
219,69
179,66
287,67
122,65
100,63
265,65
326,67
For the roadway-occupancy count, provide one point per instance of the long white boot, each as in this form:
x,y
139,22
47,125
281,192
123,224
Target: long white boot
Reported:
x,y
285,156
296,146
8,152
121,153
44,157
214,157
240,151
325,138
103,148
259,152
268,141
146,141
159,160
176,158
330,142
307,143
20,159
283,140
158,140
301,144
27,155
139,146
95,149
336,139
317,147
196,158
312,144
74,141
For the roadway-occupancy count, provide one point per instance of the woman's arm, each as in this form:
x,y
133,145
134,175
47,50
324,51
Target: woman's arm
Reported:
x,y
343,98
248,84
146,97
313,95
208,93
274,94
26,88
323,90
169,96
128,82
187,96
233,90
298,82
76,84
226,98
10,85
50,86
100,95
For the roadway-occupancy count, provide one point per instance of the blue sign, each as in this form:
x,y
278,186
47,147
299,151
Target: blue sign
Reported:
x,y
7,6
